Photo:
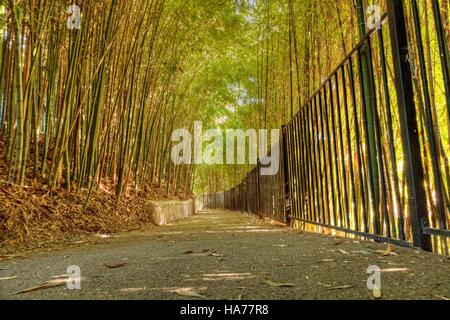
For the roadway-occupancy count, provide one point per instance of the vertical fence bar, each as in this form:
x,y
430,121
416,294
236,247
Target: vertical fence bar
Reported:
x,y
336,158
350,152
291,160
326,218
409,131
301,178
321,196
285,180
371,157
298,169
342,152
312,159
358,150
329,155
306,163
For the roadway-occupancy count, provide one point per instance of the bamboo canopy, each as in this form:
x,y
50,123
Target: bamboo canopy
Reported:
x,y
89,97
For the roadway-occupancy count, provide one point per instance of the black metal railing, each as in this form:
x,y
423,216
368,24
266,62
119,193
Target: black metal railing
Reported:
x,y
368,154
211,201
258,194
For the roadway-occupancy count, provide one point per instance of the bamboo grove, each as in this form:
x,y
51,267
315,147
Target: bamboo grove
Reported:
x,y
95,106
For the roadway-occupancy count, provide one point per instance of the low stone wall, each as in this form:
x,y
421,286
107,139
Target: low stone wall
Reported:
x,y
166,212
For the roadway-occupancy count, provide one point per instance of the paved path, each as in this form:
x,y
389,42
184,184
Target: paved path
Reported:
x,y
225,255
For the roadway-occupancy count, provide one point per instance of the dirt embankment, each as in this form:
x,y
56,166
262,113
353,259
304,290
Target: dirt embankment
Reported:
x,y
34,216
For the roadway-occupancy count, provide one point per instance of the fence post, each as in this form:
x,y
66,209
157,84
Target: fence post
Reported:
x,y
285,178
258,195
417,202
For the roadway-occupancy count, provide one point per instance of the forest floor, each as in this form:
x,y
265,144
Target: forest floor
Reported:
x,y
33,216
37,216
224,255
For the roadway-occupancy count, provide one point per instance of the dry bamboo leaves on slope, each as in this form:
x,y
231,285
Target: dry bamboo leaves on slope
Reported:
x,y
35,215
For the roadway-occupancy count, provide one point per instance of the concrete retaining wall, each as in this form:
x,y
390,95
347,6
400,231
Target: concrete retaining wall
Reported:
x,y
166,212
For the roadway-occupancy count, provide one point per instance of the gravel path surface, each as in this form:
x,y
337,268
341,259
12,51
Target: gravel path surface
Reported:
x,y
226,255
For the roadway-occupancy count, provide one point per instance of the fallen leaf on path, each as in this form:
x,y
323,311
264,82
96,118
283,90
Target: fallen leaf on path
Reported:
x,y
9,257
324,285
278,285
395,270
341,287
115,265
133,289
363,252
60,280
217,255
344,252
76,242
61,276
285,265
377,293
103,236
188,292
102,276
327,260
8,278
47,285
388,251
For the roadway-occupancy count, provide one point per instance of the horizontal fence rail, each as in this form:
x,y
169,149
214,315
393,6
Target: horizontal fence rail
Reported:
x,y
368,155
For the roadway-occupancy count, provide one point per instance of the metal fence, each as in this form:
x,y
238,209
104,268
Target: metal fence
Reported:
x,y
259,194
368,154
211,201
